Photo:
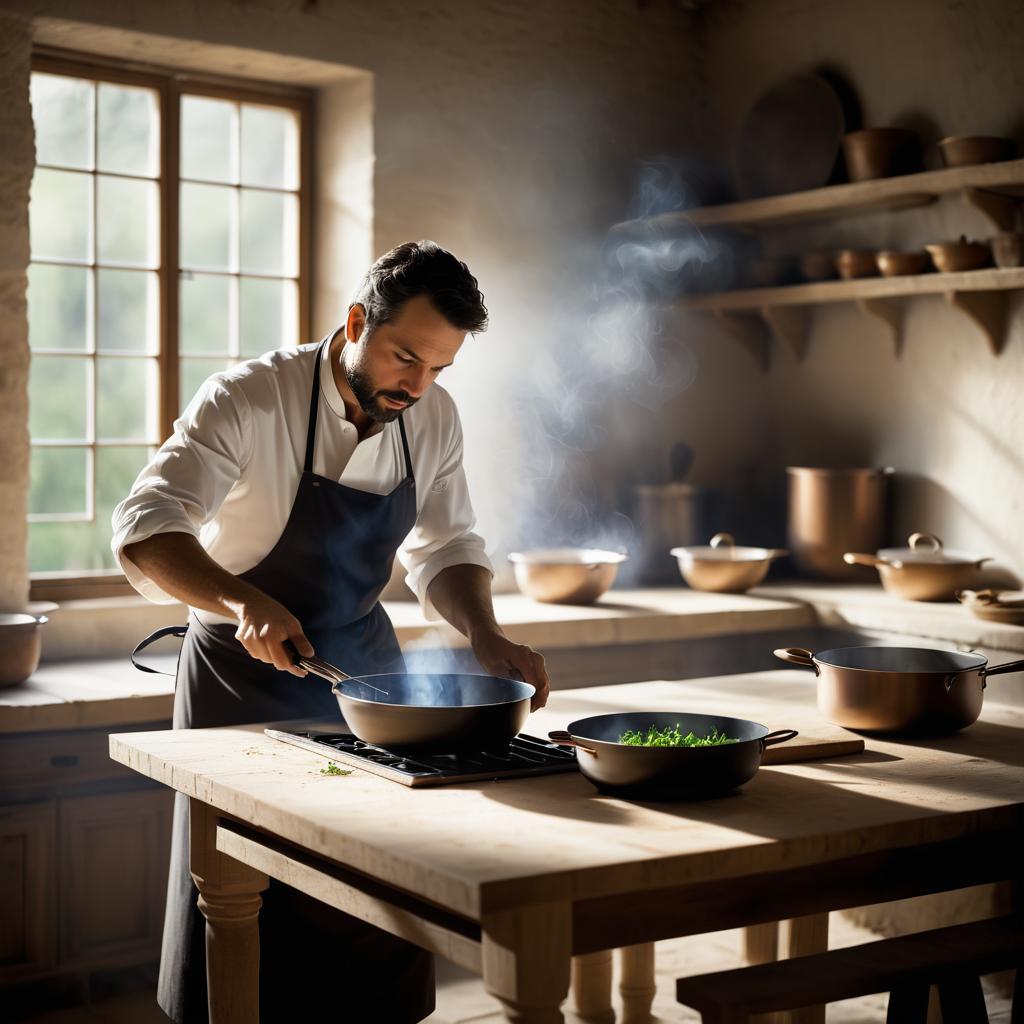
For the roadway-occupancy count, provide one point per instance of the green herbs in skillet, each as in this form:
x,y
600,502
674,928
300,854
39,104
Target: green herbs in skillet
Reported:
x,y
671,736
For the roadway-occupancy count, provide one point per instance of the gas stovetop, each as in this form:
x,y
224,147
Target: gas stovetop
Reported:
x,y
526,755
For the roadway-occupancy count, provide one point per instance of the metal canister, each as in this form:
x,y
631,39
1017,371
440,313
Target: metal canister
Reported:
x,y
832,511
667,516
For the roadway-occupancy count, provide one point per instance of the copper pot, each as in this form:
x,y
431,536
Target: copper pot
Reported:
x,y
828,508
723,567
908,690
922,571
565,575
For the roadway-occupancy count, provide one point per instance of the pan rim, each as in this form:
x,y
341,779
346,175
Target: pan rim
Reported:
x,y
818,656
435,707
693,714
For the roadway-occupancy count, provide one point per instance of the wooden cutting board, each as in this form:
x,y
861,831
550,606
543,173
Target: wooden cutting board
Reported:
x,y
816,744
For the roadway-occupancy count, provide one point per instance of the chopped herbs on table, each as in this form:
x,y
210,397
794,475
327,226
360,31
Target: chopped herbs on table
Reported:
x,y
333,769
672,736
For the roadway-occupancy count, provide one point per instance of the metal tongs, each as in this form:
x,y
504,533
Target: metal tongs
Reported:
x,y
325,670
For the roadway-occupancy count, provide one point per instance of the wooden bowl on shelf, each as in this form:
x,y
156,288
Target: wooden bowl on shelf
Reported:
x,y
897,264
854,263
881,153
953,257
966,150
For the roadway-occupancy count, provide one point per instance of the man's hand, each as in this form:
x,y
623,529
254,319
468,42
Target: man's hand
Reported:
x,y
263,627
499,656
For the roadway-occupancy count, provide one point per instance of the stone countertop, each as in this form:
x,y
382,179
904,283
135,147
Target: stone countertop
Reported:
x,y
94,693
100,693
867,606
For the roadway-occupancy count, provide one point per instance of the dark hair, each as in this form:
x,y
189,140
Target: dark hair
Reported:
x,y
422,268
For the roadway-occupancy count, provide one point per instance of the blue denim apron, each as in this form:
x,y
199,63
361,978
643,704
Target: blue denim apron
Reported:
x,y
328,568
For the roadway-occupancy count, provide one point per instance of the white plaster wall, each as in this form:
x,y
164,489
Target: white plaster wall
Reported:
x,y
946,412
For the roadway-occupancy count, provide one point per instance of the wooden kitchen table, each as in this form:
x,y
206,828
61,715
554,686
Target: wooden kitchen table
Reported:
x,y
511,879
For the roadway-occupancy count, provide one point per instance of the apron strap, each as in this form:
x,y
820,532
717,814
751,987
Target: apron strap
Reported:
x,y
405,448
151,639
314,404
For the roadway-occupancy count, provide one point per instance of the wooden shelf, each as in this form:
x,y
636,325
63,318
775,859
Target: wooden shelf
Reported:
x,y
995,189
757,316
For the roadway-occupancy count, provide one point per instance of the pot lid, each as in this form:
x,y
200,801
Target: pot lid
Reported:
x,y
870,658
567,556
722,548
927,549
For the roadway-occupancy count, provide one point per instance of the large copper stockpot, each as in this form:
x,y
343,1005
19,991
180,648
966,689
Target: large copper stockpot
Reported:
x,y
907,690
922,571
832,511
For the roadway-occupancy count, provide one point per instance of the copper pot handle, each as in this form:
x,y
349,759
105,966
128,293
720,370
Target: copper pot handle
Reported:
x,y
723,540
565,739
998,670
797,656
779,736
859,558
927,539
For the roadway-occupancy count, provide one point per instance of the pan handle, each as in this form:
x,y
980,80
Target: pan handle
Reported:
x,y
858,558
565,739
779,736
797,656
998,670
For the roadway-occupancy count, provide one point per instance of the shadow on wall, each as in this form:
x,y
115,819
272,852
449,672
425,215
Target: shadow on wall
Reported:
x,y
920,504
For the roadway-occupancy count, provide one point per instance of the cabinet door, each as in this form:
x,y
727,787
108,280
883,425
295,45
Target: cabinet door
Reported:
x,y
114,852
28,889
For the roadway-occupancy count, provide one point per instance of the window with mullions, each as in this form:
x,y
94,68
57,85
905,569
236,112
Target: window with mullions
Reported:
x,y
124,328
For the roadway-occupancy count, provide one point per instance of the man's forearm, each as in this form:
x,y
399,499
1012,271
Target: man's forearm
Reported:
x,y
462,595
177,563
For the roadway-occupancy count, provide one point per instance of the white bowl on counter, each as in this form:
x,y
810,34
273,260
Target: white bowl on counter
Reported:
x,y
723,566
565,575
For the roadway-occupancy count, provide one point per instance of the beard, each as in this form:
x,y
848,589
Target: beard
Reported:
x,y
369,396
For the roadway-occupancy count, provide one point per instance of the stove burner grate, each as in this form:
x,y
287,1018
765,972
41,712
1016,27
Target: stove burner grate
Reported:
x,y
525,756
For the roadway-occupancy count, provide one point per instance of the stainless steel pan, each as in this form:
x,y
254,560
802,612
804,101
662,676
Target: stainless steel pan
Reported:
x,y
903,690
667,773
443,712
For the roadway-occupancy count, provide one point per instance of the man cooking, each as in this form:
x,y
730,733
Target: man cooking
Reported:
x,y
274,512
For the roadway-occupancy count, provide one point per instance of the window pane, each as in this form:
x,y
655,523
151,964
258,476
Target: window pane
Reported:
x,y
127,126
58,306
127,311
208,139
58,398
268,315
116,470
269,233
59,481
62,112
206,227
60,215
205,317
270,147
192,374
125,399
126,214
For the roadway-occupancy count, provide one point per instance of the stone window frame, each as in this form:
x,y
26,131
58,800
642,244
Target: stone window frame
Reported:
x,y
170,85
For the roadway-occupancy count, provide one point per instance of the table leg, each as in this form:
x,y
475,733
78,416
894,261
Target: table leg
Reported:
x,y
592,987
637,985
229,898
525,955
800,936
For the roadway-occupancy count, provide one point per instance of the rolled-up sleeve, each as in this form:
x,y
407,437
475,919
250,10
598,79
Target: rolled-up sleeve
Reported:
x,y
187,480
443,535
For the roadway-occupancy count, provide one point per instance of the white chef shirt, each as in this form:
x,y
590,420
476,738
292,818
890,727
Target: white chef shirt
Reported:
x,y
229,472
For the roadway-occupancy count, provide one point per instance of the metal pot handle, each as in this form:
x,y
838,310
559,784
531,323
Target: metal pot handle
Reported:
x,y
565,739
858,558
928,540
723,540
779,736
998,670
797,656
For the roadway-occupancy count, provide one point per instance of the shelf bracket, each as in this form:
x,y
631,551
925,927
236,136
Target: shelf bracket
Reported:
x,y
751,331
987,310
788,324
1000,209
890,312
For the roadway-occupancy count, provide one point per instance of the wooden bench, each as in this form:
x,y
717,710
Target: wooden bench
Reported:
x,y
953,959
